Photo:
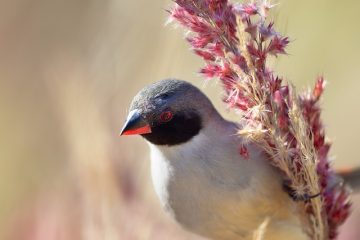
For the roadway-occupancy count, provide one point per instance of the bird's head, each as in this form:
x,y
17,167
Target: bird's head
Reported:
x,y
168,112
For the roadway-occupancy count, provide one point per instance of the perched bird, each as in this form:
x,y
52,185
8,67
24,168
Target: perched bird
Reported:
x,y
200,177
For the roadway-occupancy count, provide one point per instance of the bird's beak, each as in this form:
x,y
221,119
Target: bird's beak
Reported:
x,y
135,124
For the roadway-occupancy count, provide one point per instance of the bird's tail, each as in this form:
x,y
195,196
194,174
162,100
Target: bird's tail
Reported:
x,y
351,177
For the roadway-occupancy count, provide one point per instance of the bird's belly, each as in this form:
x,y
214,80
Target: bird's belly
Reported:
x,y
198,209
224,209
221,215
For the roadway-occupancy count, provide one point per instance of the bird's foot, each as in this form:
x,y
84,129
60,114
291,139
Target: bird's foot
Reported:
x,y
296,196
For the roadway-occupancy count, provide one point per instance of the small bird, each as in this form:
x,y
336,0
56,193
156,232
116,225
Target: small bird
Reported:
x,y
198,174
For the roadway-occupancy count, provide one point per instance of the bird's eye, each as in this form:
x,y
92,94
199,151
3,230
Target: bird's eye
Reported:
x,y
166,116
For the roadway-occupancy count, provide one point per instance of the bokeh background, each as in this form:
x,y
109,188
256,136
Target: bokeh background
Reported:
x,y
68,71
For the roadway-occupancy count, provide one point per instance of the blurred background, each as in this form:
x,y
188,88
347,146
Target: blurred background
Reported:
x,y
68,71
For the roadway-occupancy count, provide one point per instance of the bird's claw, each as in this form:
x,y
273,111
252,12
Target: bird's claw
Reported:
x,y
298,197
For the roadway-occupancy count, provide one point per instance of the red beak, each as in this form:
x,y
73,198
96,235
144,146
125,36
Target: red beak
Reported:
x,y
135,125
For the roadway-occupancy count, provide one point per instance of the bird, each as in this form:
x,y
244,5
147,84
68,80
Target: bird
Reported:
x,y
198,174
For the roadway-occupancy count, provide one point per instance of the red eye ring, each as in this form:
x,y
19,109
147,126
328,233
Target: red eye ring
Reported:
x,y
166,116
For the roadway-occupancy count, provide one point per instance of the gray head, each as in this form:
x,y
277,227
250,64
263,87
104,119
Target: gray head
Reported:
x,y
168,112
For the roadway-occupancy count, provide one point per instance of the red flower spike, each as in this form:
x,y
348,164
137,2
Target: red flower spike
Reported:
x,y
319,87
210,70
277,45
252,29
284,90
244,152
253,50
283,121
267,31
212,25
278,99
226,70
241,62
199,42
205,55
247,9
216,49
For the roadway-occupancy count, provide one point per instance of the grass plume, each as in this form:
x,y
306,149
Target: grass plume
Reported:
x,y
235,41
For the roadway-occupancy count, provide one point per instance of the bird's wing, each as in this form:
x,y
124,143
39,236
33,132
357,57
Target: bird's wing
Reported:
x,y
351,177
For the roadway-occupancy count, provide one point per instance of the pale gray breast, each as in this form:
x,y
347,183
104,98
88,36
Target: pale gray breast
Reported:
x,y
205,184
